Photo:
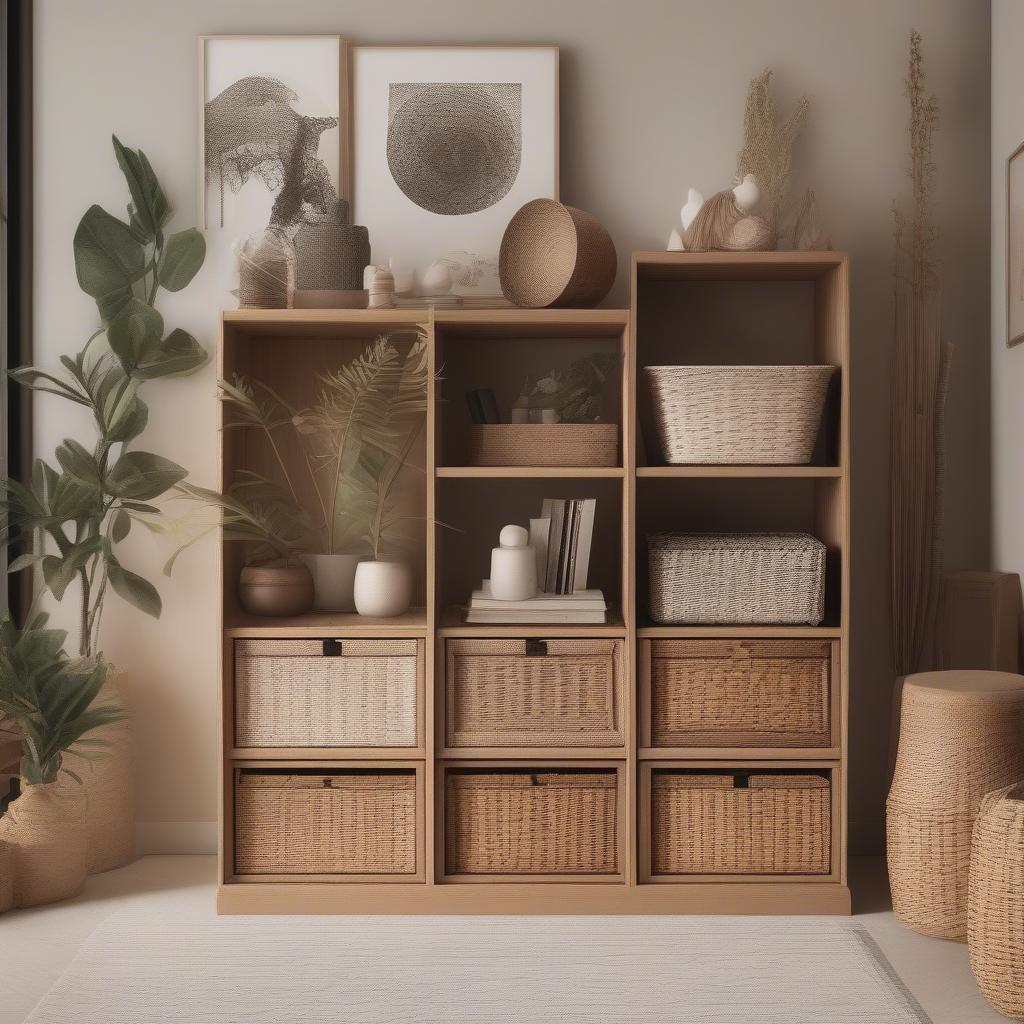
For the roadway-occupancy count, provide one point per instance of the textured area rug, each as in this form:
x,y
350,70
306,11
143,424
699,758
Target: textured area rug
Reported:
x,y
135,969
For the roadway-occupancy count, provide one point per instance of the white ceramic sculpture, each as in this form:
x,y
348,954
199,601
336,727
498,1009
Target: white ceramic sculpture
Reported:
x,y
513,566
382,589
725,221
690,209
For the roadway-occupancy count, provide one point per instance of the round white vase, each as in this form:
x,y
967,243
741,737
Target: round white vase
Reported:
x,y
513,566
382,588
333,581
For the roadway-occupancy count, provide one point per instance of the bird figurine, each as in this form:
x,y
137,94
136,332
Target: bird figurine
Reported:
x,y
725,221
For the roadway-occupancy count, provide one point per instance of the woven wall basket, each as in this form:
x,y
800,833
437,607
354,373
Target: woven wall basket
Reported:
x,y
544,444
995,902
555,255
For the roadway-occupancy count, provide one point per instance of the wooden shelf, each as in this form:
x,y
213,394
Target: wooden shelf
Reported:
x,y
531,754
328,624
527,324
741,472
318,755
710,632
529,472
812,756
782,265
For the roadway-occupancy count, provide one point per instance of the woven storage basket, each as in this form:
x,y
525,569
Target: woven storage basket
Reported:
x,y
707,824
738,414
544,444
766,578
499,694
555,255
362,694
331,822
995,902
545,822
740,693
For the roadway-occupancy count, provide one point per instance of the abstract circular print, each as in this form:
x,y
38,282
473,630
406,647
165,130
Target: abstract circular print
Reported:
x,y
455,147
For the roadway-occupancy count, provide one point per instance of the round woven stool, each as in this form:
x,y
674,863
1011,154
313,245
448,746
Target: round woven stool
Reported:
x,y
995,901
961,736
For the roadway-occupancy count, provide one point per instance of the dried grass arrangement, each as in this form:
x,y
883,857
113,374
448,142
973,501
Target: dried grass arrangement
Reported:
x,y
920,369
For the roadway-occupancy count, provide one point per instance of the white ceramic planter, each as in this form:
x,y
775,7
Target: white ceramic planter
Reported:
x,y
333,581
383,589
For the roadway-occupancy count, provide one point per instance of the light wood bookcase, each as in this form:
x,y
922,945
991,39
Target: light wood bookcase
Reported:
x,y
685,308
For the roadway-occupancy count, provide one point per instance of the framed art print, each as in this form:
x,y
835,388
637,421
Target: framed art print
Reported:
x,y
1015,247
449,142
274,130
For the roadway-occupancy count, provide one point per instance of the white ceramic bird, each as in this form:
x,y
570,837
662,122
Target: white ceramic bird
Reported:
x,y
694,201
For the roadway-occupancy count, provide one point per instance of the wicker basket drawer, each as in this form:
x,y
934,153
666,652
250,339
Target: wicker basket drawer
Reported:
x,y
523,693
740,693
740,823
292,821
326,693
531,822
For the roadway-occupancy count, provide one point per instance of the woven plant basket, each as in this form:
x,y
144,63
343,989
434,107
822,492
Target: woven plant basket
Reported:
x,y
746,415
961,736
555,255
289,694
346,823
499,696
545,822
765,578
544,444
995,901
707,824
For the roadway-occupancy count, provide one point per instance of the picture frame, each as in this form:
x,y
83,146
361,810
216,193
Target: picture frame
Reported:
x,y
449,141
1015,247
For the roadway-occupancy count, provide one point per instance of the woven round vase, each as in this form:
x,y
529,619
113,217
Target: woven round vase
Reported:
x,y
555,255
995,902
961,736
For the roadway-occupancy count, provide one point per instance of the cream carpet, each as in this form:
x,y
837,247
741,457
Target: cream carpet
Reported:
x,y
139,969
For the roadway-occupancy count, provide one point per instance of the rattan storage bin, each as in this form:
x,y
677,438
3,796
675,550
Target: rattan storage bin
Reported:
x,y
326,693
521,693
740,693
523,822
761,823
738,415
765,578
347,822
544,444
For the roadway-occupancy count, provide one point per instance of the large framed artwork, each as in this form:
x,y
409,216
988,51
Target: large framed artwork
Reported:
x,y
1015,247
275,131
449,141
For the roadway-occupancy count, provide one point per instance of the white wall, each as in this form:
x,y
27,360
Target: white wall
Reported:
x,y
652,101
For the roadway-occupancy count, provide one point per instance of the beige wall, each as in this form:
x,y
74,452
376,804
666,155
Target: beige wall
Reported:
x,y
652,99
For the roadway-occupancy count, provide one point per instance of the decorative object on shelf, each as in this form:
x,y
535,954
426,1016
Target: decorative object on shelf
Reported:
x,y
520,412
555,255
449,142
266,272
577,393
382,587
278,590
333,577
995,902
581,607
570,537
807,232
961,736
330,254
1015,246
768,142
483,406
755,578
920,375
544,444
726,222
738,415
274,126
513,566
382,288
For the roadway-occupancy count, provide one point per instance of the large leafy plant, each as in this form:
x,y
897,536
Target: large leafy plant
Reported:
x,y
69,518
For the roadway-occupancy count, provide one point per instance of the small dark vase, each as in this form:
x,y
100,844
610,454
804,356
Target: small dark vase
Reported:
x,y
275,590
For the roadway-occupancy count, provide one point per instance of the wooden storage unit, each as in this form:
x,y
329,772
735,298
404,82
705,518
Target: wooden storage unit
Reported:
x,y
593,724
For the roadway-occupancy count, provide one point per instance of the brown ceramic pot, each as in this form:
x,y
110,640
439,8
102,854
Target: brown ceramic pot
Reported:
x,y
275,590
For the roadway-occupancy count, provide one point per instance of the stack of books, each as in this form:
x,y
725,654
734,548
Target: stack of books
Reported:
x,y
584,607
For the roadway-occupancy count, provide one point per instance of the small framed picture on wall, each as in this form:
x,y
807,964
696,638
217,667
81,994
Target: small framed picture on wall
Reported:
x,y
1015,247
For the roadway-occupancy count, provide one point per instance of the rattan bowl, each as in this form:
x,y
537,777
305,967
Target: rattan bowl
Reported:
x,y
555,255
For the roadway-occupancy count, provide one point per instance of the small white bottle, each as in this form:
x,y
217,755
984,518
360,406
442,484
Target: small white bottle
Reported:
x,y
513,566
520,409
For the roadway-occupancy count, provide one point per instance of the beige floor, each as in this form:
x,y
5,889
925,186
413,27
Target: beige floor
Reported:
x,y
36,945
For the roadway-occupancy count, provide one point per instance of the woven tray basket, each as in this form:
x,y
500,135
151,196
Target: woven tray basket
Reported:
x,y
325,823
547,822
704,824
740,693
747,415
288,694
765,578
995,902
544,444
498,695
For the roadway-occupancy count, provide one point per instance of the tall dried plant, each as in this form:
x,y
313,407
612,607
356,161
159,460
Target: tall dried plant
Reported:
x,y
767,151
920,365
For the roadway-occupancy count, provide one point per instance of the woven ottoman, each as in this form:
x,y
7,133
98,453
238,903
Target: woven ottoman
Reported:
x,y
961,736
995,901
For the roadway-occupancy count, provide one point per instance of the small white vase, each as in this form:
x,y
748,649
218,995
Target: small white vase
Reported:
x,y
382,589
333,580
513,566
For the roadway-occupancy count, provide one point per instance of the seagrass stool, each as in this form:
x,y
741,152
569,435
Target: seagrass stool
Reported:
x,y
961,736
995,901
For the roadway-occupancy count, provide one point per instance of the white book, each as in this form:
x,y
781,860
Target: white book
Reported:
x,y
553,509
539,618
586,600
539,531
586,537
